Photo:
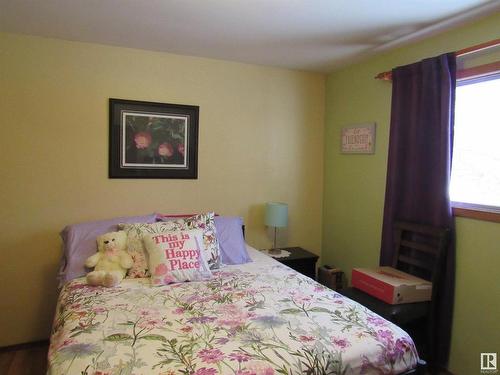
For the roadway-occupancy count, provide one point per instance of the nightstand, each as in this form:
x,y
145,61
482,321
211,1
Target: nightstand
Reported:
x,y
300,260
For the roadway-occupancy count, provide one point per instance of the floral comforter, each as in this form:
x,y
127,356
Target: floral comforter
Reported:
x,y
259,318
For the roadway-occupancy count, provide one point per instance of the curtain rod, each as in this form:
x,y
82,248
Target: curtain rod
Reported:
x,y
387,76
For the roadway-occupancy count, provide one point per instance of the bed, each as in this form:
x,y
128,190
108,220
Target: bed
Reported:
x,y
256,318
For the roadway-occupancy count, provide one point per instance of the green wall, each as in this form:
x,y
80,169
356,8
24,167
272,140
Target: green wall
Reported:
x,y
355,186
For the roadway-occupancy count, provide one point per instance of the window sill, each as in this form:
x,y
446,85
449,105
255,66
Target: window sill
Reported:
x,y
476,214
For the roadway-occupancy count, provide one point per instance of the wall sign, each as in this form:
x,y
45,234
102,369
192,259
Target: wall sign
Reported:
x,y
358,139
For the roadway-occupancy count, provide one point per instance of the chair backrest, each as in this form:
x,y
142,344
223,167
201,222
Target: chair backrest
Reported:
x,y
419,249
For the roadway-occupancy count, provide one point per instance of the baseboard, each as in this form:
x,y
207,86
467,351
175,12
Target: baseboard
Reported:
x,y
27,345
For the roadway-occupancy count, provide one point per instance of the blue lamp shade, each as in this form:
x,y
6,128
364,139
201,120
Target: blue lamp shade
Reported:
x,y
276,214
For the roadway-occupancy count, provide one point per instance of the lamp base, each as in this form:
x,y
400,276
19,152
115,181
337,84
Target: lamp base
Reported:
x,y
274,251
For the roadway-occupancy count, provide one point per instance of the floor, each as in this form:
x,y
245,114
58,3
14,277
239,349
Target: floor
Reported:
x,y
29,359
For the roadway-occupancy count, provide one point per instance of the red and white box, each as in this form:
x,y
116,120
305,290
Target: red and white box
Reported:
x,y
391,285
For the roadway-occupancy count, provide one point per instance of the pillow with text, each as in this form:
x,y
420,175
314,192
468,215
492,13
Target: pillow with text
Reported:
x,y
176,256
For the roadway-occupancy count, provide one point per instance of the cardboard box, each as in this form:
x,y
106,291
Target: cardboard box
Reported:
x,y
391,286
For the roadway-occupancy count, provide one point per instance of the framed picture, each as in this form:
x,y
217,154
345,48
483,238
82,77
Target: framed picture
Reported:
x,y
358,139
152,140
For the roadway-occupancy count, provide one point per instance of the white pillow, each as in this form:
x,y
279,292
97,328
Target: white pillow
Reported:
x,y
135,247
176,256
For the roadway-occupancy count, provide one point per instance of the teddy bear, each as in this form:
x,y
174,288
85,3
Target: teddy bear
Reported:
x,y
111,261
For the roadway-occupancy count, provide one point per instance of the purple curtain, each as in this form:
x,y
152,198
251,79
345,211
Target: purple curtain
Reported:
x,y
418,173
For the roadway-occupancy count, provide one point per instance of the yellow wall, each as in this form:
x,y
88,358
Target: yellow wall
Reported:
x,y
355,188
261,139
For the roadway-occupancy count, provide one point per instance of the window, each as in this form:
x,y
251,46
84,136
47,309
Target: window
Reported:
x,y
475,176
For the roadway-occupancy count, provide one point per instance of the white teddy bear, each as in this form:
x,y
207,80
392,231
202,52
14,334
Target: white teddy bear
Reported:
x,y
111,261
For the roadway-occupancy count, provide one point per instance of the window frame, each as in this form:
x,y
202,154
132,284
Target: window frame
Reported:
x,y
470,210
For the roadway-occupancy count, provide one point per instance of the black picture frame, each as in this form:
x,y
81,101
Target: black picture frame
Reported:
x,y
152,140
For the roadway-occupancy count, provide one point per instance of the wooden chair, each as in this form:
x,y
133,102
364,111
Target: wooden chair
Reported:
x,y
419,252
420,249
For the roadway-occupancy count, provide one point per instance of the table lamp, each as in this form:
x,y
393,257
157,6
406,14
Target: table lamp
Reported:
x,y
277,217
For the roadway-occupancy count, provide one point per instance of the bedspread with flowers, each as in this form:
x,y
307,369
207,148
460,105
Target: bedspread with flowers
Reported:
x,y
259,318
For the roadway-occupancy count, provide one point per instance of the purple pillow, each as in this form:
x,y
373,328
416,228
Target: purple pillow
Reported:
x,y
231,241
79,242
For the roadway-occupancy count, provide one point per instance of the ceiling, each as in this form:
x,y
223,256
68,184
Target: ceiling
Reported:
x,y
315,35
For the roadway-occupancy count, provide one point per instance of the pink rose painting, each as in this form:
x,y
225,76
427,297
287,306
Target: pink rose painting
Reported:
x,y
153,139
